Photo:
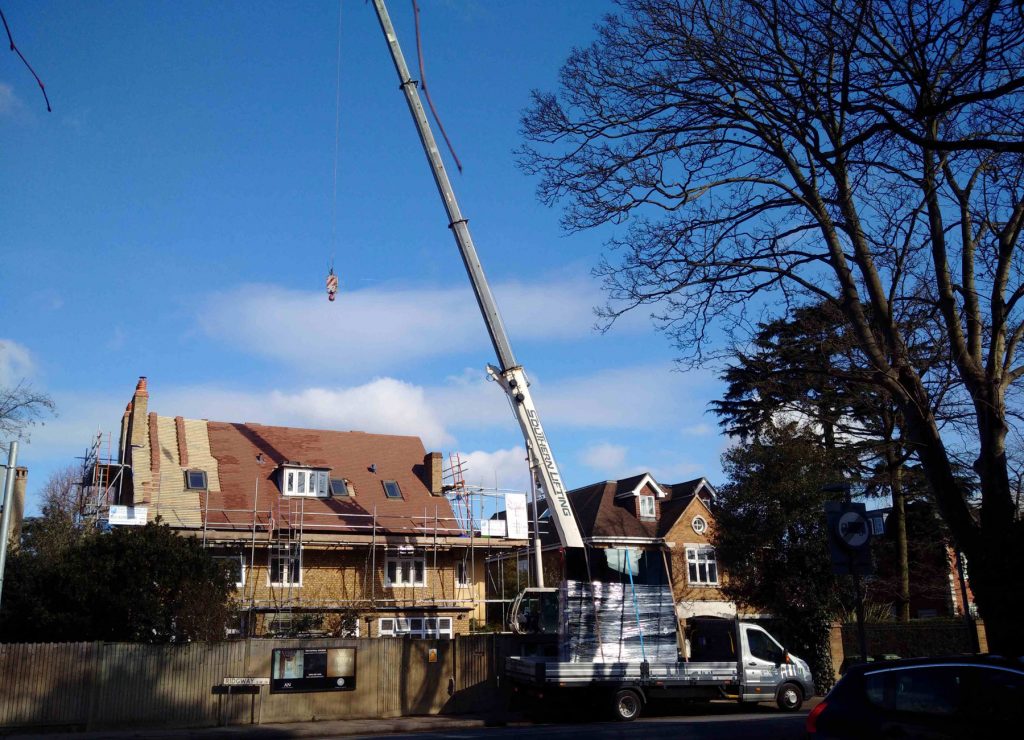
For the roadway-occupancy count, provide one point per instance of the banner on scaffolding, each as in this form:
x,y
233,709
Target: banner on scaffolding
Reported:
x,y
127,516
492,528
515,515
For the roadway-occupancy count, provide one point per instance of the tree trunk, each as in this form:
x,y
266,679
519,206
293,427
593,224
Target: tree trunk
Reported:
x,y
993,570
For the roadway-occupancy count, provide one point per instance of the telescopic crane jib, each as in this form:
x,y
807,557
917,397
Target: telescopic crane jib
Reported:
x,y
508,374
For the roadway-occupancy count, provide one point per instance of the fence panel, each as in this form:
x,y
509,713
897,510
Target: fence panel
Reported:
x,y
42,684
108,685
475,679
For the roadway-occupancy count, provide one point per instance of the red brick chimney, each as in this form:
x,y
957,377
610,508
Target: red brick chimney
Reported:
x,y
135,444
433,473
137,425
17,506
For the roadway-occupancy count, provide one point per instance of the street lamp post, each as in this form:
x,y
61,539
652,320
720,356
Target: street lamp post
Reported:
x,y
5,522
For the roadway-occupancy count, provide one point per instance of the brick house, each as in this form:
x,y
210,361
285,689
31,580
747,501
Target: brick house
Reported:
x,y
670,523
938,578
326,532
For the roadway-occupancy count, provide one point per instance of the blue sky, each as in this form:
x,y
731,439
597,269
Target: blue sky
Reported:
x,y
172,217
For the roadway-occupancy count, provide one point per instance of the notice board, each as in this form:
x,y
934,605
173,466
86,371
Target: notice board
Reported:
x,y
296,670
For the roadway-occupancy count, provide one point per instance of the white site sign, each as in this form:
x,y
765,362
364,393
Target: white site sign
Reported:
x,y
127,515
515,514
492,528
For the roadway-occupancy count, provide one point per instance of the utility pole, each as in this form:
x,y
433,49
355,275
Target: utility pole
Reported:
x,y
5,523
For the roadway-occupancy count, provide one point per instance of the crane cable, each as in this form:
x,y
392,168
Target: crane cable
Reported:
x,y
426,92
21,56
332,279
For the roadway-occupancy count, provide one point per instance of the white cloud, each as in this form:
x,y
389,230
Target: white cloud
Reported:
x,y
698,430
635,397
605,458
381,406
380,327
15,362
680,471
10,104
505,469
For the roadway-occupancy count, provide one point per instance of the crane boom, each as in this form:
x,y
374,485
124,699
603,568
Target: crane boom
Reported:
x,y
509,374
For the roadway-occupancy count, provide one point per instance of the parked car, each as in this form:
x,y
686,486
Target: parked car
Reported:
x,y
956,697
850,660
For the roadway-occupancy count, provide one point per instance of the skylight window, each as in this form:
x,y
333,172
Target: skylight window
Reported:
x,y
195,480
340,487
391,489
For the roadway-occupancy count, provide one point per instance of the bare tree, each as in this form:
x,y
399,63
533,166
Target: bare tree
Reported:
x,y
768,154
61,522
21,406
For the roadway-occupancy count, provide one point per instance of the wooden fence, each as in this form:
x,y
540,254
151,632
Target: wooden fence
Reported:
x,y
109,685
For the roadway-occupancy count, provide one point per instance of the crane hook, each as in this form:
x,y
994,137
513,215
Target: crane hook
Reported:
x,y
332,285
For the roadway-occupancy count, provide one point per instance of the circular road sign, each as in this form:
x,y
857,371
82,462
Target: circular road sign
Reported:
x,y
853,529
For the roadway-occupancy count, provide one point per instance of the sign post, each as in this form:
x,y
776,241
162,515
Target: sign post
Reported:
x,y
849,544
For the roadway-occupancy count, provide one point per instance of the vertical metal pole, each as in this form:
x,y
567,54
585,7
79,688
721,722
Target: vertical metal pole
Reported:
x,y
862,635
538,562
858,583
5,523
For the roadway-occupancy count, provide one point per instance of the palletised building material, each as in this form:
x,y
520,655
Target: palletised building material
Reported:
x,y
602,623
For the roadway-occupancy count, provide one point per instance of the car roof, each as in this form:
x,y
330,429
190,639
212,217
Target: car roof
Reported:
x,y
996,661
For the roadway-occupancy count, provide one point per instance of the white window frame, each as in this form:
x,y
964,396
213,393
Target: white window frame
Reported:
x,y
296,556
422,627
306,482
242,569
462,576
400,581
697,557
650,504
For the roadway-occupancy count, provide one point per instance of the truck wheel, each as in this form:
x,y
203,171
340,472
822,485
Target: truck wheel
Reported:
x,y
626,705
790,697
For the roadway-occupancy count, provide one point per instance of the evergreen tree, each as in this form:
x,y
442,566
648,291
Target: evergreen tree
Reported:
x,y
133,584
770,538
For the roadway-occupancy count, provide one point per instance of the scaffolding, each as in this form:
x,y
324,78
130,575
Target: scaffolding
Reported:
x,y
284,532
275,534
103,478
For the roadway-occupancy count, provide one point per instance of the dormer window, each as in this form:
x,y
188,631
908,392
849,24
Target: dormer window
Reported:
x,y
195,480
297,481
647,507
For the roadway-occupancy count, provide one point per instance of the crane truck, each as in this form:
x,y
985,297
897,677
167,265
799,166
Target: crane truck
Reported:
x,y
728,658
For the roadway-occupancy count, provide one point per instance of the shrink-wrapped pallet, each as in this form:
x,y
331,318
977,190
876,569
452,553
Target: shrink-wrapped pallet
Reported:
x,y
601,623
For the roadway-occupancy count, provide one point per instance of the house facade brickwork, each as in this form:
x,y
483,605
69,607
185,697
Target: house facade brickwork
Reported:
x,y
672,523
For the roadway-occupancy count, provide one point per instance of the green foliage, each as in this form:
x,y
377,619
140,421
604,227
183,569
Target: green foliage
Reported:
x,y
770,537
134,584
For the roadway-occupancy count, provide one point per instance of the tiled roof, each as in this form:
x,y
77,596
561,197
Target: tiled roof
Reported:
x,y
600,514
241,459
